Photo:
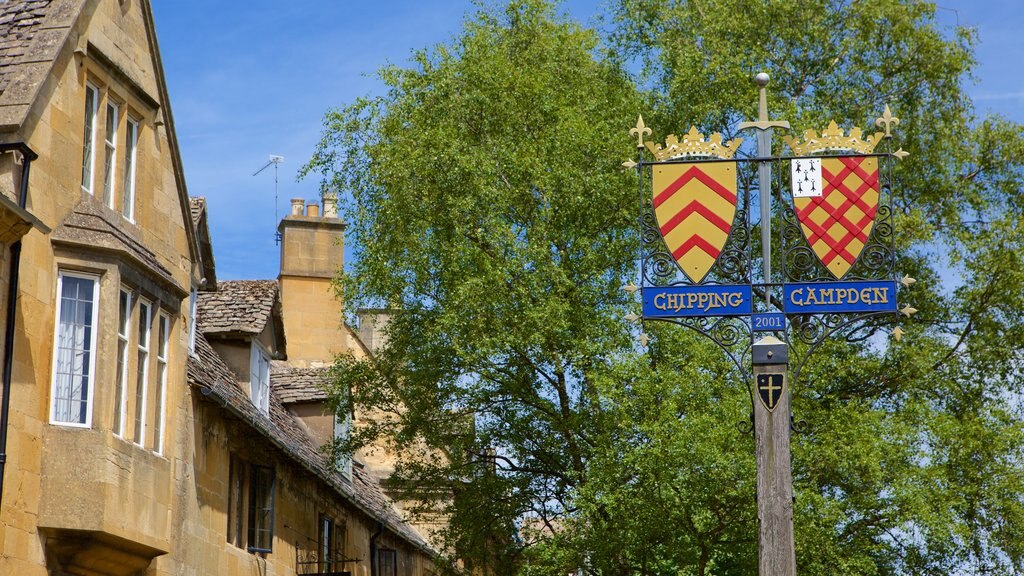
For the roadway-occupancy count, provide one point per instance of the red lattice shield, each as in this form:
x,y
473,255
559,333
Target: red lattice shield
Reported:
x,y
694,205
837,223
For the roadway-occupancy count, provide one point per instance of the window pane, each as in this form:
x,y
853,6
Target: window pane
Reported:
x,y
261,508
236,500
161,384
73,354
259,379
123,322
142,373
128,186
387,562
110,155
89,136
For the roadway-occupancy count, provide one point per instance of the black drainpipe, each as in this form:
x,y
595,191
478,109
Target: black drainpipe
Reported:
x,y
27,156
373,548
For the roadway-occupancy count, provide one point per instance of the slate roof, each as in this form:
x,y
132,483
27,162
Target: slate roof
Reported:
x,y
92,226
294,385
237,307
32,33
208,374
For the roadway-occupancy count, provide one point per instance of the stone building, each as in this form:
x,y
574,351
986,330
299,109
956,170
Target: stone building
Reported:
x,y
131,442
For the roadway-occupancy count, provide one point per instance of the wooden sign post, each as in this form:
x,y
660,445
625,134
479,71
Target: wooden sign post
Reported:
x,y
776,551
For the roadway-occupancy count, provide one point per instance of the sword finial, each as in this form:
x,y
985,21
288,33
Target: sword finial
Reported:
x,y
763,123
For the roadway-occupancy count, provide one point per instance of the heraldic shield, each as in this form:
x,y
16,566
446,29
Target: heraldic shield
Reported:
x,y
694,205
837,220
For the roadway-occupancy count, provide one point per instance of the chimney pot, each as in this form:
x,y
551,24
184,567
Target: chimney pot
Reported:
x,y
330,206
312,209
297,204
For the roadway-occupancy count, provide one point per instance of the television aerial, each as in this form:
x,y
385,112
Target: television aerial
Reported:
x,y
275,160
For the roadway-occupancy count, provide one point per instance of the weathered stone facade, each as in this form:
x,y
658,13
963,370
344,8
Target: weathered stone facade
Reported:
x,y
127,434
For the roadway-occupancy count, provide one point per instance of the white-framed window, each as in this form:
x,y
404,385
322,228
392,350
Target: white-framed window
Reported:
x,y
92,102
124,322
131,141
192,320
110,154
142,374
163,336
74,349
259,378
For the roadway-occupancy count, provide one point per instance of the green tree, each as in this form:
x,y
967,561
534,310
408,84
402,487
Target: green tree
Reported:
x,y
488,211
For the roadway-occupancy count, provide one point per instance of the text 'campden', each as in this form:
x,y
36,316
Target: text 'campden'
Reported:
x,y
839,296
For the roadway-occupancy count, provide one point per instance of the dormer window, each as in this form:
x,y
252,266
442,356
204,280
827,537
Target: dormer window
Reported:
x,y
259,378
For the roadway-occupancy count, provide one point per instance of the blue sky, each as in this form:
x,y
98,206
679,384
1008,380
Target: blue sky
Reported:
x,y
247,83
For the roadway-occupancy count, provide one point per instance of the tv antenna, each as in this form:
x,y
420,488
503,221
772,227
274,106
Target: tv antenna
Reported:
x,y
275,160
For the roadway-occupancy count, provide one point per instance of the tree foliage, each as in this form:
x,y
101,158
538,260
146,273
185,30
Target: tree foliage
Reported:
x,y
488,212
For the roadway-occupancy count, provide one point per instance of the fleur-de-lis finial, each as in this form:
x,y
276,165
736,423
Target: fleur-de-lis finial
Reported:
x,y
888,120
640,131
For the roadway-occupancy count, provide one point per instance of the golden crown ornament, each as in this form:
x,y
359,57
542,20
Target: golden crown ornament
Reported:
x,y
693,144
834,138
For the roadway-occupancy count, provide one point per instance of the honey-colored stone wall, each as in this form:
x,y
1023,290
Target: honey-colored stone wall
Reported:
x,y
299,498
58,478
87,500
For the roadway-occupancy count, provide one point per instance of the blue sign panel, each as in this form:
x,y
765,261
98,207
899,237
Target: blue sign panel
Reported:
x,y
848,297
684,301
769,322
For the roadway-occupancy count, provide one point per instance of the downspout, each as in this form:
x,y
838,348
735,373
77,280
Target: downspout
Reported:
x,y
12,306
373,548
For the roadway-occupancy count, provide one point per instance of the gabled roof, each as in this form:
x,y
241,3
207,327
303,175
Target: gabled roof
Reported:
x,y
240,307
32,34
208,374
90,225
200,223
294,385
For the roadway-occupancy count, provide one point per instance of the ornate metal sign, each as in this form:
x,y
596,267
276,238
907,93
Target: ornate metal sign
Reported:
x,y
830,201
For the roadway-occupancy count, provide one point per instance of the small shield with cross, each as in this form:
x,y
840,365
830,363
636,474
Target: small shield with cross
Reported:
x,y
769,389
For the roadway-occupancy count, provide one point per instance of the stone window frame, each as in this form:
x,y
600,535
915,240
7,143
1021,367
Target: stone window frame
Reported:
x,y
247,482
135,109
90,384
332,535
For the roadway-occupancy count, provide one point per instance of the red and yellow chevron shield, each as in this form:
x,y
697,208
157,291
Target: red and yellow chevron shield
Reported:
x,y
694,205
837,223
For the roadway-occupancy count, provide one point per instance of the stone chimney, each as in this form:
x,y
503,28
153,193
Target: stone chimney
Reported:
x,y
373,324
312,252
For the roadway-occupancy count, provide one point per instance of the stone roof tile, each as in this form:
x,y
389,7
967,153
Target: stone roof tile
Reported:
x,y
32,33
237,307
299,384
